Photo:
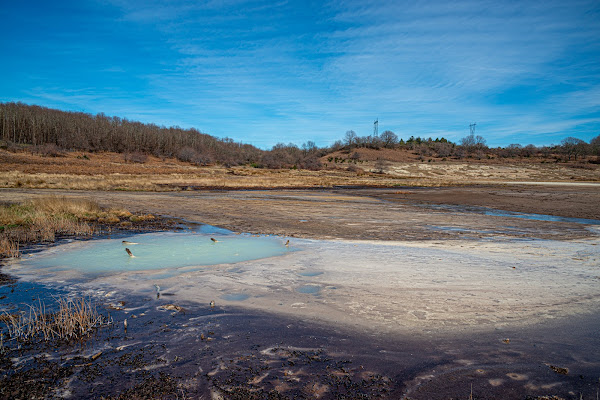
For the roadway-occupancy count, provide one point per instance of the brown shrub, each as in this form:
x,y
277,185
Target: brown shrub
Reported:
x,y
50,150
135,157
355,169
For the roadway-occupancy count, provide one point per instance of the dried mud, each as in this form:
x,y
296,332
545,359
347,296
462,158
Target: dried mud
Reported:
x,y
240,352
365,214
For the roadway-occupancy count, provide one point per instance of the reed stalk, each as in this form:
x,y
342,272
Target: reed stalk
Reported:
x,y
75,319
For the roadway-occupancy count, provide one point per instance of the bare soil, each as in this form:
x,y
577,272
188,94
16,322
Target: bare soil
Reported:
x,y
381,214
566,201
502,352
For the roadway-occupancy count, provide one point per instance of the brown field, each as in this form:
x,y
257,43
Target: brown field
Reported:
x,y
110,171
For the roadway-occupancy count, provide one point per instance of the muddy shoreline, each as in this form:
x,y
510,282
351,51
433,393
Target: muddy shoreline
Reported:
x,y
229,352
364,214
233,351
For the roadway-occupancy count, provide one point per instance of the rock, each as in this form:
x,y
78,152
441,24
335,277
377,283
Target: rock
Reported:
x,y
172,307
559,370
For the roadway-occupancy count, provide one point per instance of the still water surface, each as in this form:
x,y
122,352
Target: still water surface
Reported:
x,y
156,251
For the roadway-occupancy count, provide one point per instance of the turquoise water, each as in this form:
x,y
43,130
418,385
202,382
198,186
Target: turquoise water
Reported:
x,y
157,251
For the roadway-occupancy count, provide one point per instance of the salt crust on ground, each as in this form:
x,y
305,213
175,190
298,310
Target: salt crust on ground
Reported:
x,y
429,287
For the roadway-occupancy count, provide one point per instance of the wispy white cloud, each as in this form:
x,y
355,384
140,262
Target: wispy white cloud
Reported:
x,y
266,72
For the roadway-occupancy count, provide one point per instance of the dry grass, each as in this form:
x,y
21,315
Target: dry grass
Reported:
x,y
43,210
43,219
62,206
9,248
218,178
75,319
108,171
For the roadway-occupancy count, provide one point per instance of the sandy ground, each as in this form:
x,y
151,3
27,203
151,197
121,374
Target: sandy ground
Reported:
x,y
428,269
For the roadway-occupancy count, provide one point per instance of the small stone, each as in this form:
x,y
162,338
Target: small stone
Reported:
x,y
559,370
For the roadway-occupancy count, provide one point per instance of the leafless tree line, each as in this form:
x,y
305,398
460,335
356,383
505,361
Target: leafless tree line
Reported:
x,y
40,126
471,146
52,132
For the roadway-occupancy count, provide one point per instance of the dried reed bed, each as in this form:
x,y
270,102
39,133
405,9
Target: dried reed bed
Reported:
x,y
45,229
396,174
214,177
43,219
9,248
54,205
75,319
109,171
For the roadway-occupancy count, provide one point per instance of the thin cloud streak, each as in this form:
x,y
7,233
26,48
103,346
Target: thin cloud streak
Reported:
x,y
295,71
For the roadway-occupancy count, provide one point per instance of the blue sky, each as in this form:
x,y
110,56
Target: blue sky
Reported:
x,y
264,72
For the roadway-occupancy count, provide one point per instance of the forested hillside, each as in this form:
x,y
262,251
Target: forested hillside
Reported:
x,y
35,125
50,131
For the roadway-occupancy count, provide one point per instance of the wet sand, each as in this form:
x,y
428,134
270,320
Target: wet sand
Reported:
x,y
427,306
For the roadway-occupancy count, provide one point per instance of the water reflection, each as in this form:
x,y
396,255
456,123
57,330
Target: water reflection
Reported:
x,y
511,214
309,289
157,251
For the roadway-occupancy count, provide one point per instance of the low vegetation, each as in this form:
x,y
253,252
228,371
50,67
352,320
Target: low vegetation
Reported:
x,y
75,319
43,219
108,171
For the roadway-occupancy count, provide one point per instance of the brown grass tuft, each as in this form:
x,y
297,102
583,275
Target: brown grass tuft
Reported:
x,y
141,218
55,205
42,219
9,248
109,219
75,319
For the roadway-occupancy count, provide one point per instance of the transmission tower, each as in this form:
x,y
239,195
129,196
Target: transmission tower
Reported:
x,y
472,128
376,128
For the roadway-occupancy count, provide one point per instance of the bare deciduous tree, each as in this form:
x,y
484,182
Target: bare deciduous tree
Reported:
x,y
389,139
350,138
572,147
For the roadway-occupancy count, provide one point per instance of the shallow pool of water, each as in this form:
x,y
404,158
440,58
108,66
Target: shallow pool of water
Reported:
x,y
235,297
309,289
512,214
156,251
310,273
